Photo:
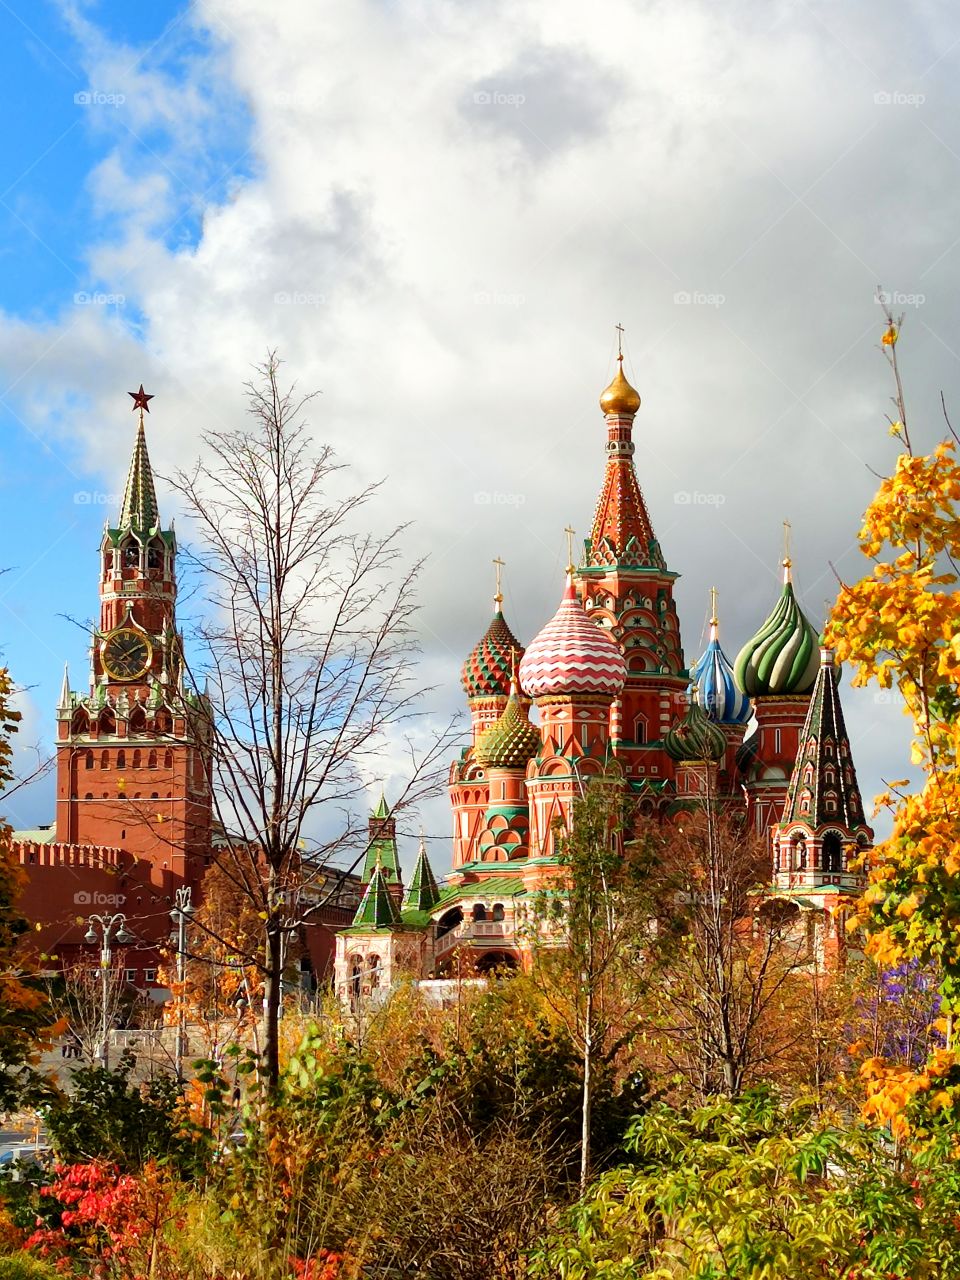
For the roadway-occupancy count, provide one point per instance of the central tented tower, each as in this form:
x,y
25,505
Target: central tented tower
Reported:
x,y
626,587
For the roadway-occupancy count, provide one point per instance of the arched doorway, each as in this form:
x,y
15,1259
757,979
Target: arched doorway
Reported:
x,y
493,962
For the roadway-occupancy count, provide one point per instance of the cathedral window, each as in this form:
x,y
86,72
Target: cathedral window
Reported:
x,y
479,912
640,730
832,853
152,760
497,911
88,759
81,723
138,721
121,759
776,741
168,759
137,757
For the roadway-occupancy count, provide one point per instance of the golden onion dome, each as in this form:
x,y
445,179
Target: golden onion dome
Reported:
x,y
620,397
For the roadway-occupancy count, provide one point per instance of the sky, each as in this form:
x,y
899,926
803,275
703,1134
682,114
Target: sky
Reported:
x,y
437,213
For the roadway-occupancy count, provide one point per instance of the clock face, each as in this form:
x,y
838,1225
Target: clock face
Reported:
x,y
126,654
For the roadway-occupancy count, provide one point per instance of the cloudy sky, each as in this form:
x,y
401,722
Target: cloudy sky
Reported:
x,y
437,212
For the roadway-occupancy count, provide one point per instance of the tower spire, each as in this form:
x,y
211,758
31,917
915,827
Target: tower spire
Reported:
x,y
139,510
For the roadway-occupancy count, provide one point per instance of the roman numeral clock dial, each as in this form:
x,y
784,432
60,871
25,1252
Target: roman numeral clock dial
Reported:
x,y
126,654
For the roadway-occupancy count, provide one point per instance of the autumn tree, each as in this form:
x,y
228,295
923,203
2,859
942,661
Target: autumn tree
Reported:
x,y
25,1015
308,658
714,1014
594,950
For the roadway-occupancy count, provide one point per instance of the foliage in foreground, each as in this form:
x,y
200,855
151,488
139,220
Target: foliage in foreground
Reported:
x,y
757,1189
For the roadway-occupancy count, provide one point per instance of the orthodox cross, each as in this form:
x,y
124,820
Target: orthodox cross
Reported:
x,y
498,598
619,329
713,607
570,535
786,543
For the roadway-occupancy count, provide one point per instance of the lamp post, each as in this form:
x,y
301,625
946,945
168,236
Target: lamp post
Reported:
x,y
112,929
180,915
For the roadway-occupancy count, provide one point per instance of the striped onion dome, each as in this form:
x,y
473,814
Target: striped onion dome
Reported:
x,y
713,684
486,672
510,741
783,658
572,654
696,737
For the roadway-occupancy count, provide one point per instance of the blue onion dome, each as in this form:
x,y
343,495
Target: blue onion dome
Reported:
x,y
783,658
696,737
714,687
511,740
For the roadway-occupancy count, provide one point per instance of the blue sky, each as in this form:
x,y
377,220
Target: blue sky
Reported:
x,y
437,213
54,494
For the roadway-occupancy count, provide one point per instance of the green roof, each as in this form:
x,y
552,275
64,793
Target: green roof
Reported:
x,y
377,907
423,892
140,509
36,835
494,886
382,810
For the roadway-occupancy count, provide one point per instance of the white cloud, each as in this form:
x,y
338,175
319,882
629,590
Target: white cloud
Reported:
x,y
449,208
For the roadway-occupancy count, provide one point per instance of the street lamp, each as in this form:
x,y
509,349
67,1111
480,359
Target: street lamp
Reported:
x,y
180,915
112,929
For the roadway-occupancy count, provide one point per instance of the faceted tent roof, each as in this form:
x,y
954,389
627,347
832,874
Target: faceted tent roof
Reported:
x,y
824,769
486,672
140,511
377,908
423,893
572,654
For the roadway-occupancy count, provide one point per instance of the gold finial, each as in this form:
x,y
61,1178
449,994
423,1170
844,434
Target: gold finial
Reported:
x,y
498,598
620,397
570,536
787,562
714,620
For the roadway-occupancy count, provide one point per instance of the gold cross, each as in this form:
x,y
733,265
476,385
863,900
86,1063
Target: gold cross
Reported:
x,y
619,329
786,544
570,536
498,563
713,607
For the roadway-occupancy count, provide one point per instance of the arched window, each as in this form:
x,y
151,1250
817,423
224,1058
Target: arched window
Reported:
x,y
168,759
640,730
155,555
104,759
81,722
107,560
137,758
108,721
497,913
131,554
832,853
88,796
88,759
373,964
479,912
121,759
138,721
799,854
163,722
152,760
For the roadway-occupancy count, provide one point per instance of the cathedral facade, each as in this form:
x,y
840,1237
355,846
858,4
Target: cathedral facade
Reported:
x,y
608,677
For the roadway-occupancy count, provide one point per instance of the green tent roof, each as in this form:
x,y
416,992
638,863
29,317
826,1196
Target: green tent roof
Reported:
x,y
423,892
377,908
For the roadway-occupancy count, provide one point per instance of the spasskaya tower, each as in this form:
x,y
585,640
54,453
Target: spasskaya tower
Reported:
x,y
132,766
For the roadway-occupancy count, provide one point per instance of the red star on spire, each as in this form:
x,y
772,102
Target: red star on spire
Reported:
x,y
140,399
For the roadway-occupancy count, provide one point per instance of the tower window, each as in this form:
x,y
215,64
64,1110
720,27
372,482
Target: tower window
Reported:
x,y
168,759
121,759
136,759
104,759
131,555
776,741
152,760
88,759
155,556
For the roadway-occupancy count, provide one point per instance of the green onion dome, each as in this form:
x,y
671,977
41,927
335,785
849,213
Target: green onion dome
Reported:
x,y
783,658
696,737
486,672
510,741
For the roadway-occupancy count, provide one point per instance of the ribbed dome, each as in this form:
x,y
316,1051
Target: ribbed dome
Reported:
x,y
783,657
486,672
572,654
620,397
510,741
714,686
695,738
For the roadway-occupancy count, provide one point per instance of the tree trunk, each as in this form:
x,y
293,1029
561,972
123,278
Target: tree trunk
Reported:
x,y
587,1107
272,989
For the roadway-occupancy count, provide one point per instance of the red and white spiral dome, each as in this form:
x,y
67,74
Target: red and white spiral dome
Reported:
x,y
572,655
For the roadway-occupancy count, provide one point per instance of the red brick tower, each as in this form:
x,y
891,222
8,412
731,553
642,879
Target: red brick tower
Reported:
x,y
625,585
132,771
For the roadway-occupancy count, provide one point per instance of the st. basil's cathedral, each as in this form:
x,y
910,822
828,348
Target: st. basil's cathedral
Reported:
x,y
608,678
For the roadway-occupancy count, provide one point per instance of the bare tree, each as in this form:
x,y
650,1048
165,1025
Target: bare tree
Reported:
x,y
716,1009
308,658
